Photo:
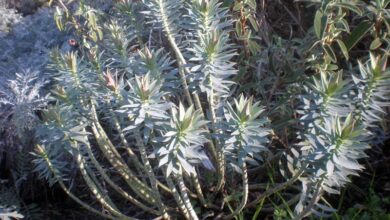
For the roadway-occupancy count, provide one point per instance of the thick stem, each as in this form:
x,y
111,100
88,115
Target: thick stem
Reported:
x,y
67,191
150,173
129,151
311,204
133,157
183,70
115,186
83,204
221,172
220,156
117,162
94,187
179,55
186,199
178,199
198,104
245,190
198,188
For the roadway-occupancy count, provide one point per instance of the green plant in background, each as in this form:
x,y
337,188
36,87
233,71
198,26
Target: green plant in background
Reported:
x,y
247,25
332,27
172,134
372,208
330,24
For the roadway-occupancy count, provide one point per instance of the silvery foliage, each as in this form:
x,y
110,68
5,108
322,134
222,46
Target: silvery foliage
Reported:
x,y
28,41
210,57
144,105
58,166
9,214
84,81
205,18
24,44
148,73
183,141
62,126
247,132
372,90
324,96
158,64
213,66
173,12
331,160
8,17
121,34
212,52
336,115
334,140
120,37
20,99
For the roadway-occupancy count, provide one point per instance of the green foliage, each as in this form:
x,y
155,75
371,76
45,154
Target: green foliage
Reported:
x,y
372,208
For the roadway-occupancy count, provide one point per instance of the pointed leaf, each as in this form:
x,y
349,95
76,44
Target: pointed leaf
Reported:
x,y
357,34
375,44
320,23
350,7
329,51
343,48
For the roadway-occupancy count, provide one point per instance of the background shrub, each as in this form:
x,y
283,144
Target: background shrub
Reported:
x,y
201,109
